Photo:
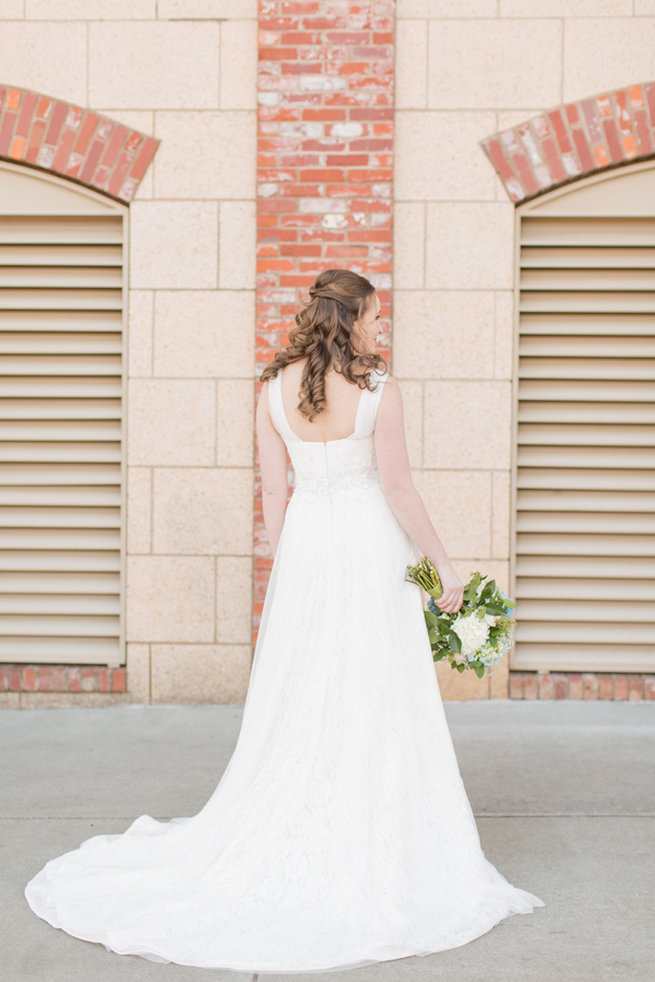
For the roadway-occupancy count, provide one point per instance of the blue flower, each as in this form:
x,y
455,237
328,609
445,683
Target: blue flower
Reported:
x,y
508,600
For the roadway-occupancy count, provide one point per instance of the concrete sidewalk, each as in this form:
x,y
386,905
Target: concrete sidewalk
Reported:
x,y
563,792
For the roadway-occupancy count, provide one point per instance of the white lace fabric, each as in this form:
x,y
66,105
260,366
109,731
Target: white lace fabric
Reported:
x,y
340,833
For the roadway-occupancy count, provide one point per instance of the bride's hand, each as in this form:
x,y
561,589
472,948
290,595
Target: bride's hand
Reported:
x,y
452,597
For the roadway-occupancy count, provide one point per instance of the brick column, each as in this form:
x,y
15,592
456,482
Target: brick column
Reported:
x,y
324,197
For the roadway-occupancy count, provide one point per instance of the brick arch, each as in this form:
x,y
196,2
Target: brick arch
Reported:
x,y
73,142
574,140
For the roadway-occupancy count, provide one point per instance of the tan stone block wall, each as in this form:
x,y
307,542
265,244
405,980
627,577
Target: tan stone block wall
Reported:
x,y
190,338
47,55
199,673
453,277
488,62
453,254
466,69
189,345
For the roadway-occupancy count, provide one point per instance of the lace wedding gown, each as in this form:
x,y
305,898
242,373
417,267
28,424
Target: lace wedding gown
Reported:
x,y
340,833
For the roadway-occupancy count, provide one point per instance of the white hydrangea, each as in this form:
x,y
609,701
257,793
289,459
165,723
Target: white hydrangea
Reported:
x,y
472,631
490,656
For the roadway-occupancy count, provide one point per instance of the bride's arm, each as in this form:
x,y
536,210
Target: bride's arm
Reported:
x,y
402,495
273,468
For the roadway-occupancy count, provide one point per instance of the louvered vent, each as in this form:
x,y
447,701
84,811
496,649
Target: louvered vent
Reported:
x,y
584,537
61,300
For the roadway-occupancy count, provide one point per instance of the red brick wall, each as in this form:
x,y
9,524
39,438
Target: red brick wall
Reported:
x,y
62,678
581,685
324,167
73,141
574,140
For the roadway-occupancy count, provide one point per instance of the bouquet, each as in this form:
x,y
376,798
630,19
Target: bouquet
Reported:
x,y
479,634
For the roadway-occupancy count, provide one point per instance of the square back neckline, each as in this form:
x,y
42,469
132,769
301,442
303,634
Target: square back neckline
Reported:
x,y
340,439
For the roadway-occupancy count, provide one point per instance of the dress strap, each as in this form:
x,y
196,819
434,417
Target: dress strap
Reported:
x,y
276,409
370,402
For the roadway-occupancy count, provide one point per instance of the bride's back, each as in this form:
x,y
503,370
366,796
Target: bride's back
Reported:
x,y
336,421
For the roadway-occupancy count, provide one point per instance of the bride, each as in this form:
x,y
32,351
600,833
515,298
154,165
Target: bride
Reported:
x,y
340,834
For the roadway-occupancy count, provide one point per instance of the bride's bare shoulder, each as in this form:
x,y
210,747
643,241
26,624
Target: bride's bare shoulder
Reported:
x,y
390,382
391,402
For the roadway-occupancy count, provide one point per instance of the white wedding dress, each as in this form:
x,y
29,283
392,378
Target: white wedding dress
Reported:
x,y
340,833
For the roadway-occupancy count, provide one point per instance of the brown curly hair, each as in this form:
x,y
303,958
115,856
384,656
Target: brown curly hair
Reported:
x,y
325,335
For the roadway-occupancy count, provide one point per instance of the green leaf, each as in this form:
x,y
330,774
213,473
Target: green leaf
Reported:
x,y
472,586
455,642
478,669
493,607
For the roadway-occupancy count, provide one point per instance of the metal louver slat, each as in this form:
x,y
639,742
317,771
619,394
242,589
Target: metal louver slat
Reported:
x,y
586,412
54,537
587,302
59,624
96,430
61,481
582,390
592,257
584,346
69,497
41,451
60,561
61,277
62,230
574,501
60,254
58,322
69,650
67,299
606,278
60,344
21,409
586,521
588,230
592,479
586,588
60,605
584,632
573,544
553,456
67,517
586,435
596,324
49,475
64,364
65,386
583,537
80,584
588,368
594,610
593,568
586,656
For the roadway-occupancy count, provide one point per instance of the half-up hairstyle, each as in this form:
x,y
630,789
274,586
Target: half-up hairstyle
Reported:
x,y
325,335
